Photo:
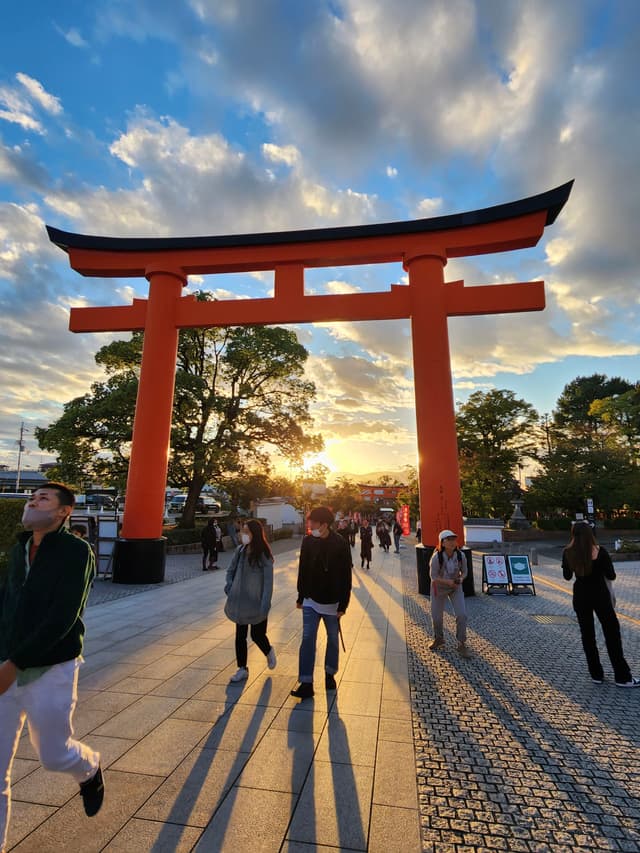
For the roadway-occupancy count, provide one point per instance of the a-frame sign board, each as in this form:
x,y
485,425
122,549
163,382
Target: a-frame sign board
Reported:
x,y
520,574
495,574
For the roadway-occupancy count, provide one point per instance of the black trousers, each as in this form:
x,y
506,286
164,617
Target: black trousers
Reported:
x,y
585,604
259,637
211,552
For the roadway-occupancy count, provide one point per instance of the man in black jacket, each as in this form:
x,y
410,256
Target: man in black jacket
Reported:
x,y
42,598
324,589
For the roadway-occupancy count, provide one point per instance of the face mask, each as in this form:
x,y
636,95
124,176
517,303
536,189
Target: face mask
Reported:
x,y
315,532
37,519
246,538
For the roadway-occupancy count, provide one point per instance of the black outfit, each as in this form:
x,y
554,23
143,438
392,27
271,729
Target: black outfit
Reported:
x,y
352,533
41,612
324,571
259,637
591,595
397,533
383,536
209,540
344,532
366,544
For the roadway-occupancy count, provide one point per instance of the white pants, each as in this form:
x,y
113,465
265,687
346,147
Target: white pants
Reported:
x,y
47,704
439,598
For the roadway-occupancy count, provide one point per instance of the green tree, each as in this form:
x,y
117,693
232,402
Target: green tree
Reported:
x,y
573,413
621,415
574,472
239,391
495,431
344,496
411,494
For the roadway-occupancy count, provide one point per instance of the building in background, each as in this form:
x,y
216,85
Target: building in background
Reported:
x,y
380,494
277,513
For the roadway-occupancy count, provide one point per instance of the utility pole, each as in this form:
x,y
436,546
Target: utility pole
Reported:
x,y
21,449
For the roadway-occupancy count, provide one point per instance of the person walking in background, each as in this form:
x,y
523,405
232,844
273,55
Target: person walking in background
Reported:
x,y
42,597
591,565
397,533
79,530
353,527
382,532
366,543
232,532
418,531
209,540
324,590
219,542
448,569
343,530
249,587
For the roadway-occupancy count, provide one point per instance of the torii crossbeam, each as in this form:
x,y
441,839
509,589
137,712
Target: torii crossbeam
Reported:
x,y
423,246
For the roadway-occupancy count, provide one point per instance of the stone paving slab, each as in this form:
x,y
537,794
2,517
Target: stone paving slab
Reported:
x,y
515,749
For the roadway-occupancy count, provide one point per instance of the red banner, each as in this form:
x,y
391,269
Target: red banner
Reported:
x,y
403,518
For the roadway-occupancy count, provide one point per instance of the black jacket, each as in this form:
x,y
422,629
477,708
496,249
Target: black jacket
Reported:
x,y
40,614
324,572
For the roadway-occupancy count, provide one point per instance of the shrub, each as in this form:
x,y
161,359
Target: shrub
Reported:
x,y
622,523
629,546
10,518
182,536
553,524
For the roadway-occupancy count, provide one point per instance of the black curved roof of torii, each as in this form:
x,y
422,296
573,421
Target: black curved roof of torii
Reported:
x,y
552,201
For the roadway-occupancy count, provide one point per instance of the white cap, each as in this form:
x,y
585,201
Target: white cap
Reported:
x,y
444,534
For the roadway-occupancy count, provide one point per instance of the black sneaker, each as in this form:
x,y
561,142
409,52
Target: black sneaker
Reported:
x,y
303,691
330,682
92,792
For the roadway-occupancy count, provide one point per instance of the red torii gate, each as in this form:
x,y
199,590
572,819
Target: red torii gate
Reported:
x,y
423,246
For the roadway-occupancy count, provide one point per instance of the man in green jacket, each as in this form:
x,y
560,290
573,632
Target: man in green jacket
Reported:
x,y
42,599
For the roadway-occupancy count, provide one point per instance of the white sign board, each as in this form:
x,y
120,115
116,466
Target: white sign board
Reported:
x,y
495,567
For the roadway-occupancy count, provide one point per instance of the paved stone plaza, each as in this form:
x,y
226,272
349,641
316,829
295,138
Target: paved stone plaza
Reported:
x,y
515,749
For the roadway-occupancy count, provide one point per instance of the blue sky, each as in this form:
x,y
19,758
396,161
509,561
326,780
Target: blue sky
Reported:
x,y
217,116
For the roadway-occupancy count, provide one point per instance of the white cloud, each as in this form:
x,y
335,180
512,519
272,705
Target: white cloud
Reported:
x,y
428,207
73,36
186,183
38,93
287,154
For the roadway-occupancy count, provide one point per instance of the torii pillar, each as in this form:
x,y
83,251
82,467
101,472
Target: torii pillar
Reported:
x,y
423,246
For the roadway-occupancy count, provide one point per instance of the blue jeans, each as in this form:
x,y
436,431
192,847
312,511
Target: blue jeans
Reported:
x,y
307,658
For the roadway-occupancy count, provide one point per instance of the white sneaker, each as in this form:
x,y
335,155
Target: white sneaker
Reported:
x,y
635,682
241,675
464,651
271,658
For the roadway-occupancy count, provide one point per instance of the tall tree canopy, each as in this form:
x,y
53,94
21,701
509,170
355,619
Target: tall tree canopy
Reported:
x,y
239,391
592,451
494,433
573,411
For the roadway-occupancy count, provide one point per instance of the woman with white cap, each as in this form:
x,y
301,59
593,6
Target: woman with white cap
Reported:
x,y
448,568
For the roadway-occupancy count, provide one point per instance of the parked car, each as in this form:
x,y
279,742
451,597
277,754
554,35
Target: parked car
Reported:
x,y
99,501
204,504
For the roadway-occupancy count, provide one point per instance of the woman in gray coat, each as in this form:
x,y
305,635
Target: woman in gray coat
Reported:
x,y
249,585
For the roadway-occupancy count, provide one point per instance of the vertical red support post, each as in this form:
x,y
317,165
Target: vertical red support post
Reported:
x,y
438,469
142,545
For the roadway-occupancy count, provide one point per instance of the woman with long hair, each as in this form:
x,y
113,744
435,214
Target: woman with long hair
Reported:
x,y
591,565
248,587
